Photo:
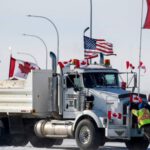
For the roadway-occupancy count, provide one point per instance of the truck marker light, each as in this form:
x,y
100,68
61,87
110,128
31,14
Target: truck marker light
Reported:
x,y
107,62
109,115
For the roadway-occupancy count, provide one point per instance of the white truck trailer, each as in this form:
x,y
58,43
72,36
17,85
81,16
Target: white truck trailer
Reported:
x,y
86,103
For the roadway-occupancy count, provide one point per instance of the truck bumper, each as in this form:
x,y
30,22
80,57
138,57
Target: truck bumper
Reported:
x,y
122,132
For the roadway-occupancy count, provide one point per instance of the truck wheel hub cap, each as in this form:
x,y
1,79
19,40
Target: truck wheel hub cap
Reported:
x,y
84,135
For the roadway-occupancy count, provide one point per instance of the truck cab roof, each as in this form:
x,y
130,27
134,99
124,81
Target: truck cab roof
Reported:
x,y
94,68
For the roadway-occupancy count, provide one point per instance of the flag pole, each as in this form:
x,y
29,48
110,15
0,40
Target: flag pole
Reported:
x,y
10,56
140,48
91,22
91,18
84,35
85,31
91,28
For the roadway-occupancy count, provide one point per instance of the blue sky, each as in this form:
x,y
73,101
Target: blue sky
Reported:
x,y
118,21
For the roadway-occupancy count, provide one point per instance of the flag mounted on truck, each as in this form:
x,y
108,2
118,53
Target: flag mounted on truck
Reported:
x,y
20,69
92,47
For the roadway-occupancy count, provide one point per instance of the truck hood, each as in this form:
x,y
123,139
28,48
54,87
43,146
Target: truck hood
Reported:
x,y
102,96
111,92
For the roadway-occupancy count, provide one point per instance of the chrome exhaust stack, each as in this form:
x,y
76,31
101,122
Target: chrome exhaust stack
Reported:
x,y
54,92
54,65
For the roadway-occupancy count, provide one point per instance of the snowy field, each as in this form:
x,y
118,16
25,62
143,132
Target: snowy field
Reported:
x,y
69,145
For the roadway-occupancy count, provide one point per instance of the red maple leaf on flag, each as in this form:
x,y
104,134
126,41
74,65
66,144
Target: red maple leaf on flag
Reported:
x,y
142,66
63,64
26,67
83,63
20,69
129,65
114,115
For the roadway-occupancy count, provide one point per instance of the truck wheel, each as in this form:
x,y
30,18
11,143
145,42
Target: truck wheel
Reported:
x,y
147,131
87,136
101,136
137,144
18,140
41,142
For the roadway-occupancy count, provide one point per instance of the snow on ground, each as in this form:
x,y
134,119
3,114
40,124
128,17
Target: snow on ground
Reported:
x,y
69,145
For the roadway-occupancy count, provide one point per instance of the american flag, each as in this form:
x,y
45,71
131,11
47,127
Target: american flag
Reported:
x,y
90,55
95,46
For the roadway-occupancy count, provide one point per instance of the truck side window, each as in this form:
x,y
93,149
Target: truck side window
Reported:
x,y
89,80
111,79
70,81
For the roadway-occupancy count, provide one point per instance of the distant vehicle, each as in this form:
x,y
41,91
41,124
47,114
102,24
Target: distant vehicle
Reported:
x,y
86,103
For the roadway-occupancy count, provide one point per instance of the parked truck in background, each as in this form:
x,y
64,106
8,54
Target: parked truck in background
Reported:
x,y
86,103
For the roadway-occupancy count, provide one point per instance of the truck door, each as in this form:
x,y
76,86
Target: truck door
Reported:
x,y
71,95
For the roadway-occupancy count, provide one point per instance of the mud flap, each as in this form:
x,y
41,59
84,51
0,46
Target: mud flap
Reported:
x,y
119,132
16,125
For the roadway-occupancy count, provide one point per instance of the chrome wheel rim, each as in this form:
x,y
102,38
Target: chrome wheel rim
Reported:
x,y
84,135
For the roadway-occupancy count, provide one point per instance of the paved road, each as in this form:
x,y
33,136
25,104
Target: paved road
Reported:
x,y
69,145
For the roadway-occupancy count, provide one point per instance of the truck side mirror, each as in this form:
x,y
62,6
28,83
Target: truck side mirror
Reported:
x,y
77,84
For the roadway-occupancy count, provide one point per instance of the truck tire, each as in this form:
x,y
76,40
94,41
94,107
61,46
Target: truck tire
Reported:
x,y
101,136
41,142
147,131
4,141
87,135
137,144
18,140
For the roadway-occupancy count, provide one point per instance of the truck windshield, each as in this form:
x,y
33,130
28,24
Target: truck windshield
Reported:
x,y
96,79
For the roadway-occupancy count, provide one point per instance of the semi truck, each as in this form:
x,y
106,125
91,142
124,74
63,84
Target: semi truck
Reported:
x,y
87,104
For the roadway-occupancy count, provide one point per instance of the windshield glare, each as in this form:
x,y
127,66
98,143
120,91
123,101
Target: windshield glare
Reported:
x,y
97,79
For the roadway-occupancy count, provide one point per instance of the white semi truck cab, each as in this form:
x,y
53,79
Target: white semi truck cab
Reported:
x,y
87,103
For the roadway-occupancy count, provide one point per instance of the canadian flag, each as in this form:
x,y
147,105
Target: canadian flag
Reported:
x,y
135,99
147,20
114,115
80,63
76,62
129,65
20,69
63,64
142,66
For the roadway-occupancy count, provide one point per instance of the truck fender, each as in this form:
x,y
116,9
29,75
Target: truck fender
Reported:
x,y
85,114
